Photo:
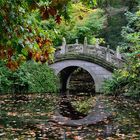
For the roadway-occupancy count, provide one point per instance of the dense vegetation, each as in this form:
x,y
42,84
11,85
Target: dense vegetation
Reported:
x,y
127,79
30,77
116,19
82,23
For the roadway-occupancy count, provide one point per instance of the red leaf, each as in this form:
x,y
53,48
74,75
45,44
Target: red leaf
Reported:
x,y
58,19
45,14
52,11
10,53
138,55
46,54
30,55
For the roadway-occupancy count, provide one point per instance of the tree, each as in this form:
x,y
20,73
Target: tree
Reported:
x,y
127,79
23,33
83,23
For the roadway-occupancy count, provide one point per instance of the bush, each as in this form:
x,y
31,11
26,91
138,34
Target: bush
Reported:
x,y
40,77
31,77
5,83
123,82
115,85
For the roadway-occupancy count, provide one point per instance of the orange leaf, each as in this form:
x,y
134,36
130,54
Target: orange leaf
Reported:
x,y
13,65
37,57
30,55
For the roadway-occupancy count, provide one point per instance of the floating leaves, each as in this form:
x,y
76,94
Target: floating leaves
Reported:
x,y
30,119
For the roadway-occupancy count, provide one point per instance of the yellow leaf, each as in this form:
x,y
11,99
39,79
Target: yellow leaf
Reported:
x,y
51,50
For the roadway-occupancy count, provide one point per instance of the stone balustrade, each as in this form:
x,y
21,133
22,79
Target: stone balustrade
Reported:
x,y
106,53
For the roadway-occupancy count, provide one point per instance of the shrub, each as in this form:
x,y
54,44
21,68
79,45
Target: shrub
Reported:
x,y
31,77
123,82
5,83
40,77
114,86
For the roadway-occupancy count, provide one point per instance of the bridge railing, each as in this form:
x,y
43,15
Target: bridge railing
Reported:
x,y
114,57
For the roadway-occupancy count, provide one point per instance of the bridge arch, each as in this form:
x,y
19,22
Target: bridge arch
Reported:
x,y
70,73
66,67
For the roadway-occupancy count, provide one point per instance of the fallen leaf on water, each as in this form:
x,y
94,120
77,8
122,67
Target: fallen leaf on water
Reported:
x,y
78,138
12,113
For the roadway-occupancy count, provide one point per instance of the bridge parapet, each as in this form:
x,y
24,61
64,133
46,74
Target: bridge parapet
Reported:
x,y
114,57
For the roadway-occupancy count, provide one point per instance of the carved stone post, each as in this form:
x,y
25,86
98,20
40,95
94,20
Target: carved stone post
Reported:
x,y
108,55
97,43
63,47
85,45
76,42
118,55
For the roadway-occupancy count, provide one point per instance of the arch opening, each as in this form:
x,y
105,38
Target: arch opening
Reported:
x,y
81,82
75,80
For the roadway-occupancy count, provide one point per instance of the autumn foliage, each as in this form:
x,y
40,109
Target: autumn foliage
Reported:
x,y
46,12
23,36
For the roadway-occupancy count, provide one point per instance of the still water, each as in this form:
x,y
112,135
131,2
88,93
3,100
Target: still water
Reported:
x,y
29,118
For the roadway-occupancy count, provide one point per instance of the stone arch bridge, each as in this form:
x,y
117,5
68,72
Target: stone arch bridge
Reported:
x,y
97,60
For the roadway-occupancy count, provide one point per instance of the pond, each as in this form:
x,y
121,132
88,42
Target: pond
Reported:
x,y
28,117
